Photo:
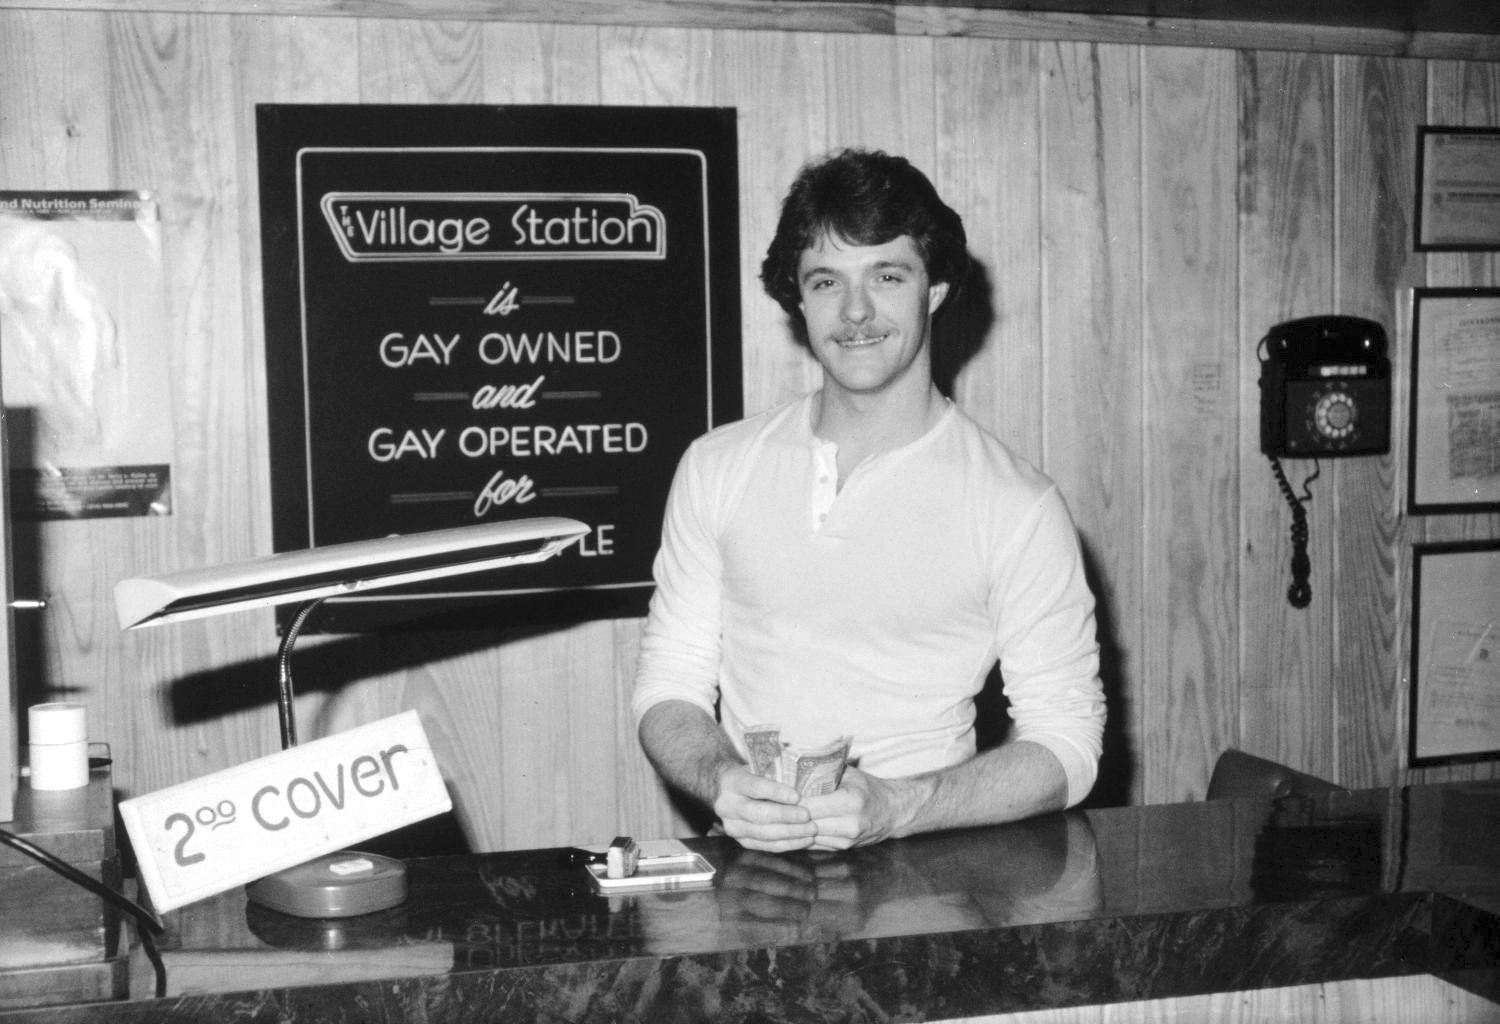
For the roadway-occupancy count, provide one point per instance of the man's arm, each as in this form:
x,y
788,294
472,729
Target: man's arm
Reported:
x,y
690,751
677,679
1049,659
1010,782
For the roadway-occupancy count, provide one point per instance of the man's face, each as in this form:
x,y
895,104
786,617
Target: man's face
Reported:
x,y
867,309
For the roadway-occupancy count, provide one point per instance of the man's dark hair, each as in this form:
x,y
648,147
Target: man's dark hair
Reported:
x,y
864,197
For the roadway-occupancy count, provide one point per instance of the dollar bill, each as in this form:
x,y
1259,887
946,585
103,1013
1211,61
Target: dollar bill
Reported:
x,y
764,744
821,769
812,771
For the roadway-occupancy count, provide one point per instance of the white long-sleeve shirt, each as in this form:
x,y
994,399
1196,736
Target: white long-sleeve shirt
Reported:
x,y
875,610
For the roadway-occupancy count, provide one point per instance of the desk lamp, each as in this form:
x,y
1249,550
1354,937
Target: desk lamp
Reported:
x,y
308,578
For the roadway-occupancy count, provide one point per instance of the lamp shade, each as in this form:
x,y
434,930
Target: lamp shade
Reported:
x,y
340,569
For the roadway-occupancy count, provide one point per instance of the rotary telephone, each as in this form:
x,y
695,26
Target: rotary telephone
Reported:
x,y
1325,391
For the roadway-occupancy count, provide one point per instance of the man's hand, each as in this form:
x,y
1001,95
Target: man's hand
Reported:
x,y
864,809
1007,783
762,814
1012,781
692,753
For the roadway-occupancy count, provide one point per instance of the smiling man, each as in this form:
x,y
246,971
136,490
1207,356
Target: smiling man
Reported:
x,y
853,563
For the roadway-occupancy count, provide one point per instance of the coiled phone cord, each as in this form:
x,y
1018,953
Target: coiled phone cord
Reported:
x,y
1299,594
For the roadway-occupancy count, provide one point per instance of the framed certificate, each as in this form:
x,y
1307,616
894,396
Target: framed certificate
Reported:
x,y
1455,653
1455,401
1458,188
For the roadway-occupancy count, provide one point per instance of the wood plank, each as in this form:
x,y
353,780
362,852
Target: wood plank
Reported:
x,y
1198,33
663,67
905,17
775,81
1286,253
1091,308
879,95
309,60
541,63
170,77
1376,99
53,69
558,738
991,165
1191,415
426,61
1432,15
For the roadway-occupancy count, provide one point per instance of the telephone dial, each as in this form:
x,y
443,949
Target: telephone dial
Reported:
x,y
1325,391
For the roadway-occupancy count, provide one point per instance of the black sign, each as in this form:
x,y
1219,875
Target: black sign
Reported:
x,y
486,313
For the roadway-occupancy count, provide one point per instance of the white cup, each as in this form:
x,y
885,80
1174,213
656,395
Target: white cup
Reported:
x,y
59,746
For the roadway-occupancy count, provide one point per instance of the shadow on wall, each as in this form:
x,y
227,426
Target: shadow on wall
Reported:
x,y
959,330
1116,775
328,666
28,574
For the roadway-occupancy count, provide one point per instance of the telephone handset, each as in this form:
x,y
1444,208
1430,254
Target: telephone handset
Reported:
x,y
1325,391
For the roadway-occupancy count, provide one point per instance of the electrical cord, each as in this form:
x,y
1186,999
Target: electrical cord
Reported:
x,y
158,967
147,923
1299,594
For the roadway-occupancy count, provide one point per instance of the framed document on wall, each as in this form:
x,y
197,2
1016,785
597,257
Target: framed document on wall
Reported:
x,y
1455,653
1455,401
487,313
1458,189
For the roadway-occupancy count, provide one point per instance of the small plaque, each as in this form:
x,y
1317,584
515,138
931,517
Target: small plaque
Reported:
x,y
209,835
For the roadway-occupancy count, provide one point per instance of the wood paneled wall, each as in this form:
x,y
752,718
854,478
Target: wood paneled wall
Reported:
x,y
1143,213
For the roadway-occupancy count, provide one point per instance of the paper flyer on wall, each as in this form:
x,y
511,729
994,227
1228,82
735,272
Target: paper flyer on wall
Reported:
x,y
88,410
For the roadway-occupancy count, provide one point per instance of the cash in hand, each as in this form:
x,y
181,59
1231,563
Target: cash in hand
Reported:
x,y
811,771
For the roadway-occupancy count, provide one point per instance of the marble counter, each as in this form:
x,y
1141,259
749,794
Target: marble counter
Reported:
x,y
1072,909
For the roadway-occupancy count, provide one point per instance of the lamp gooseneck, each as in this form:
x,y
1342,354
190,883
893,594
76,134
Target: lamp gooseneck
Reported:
x,y
284,692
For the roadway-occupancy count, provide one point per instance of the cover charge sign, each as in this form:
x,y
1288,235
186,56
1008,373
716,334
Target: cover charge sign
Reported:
x,y
480,313
203,837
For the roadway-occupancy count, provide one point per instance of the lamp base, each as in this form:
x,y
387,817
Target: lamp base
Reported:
x,y
343,884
